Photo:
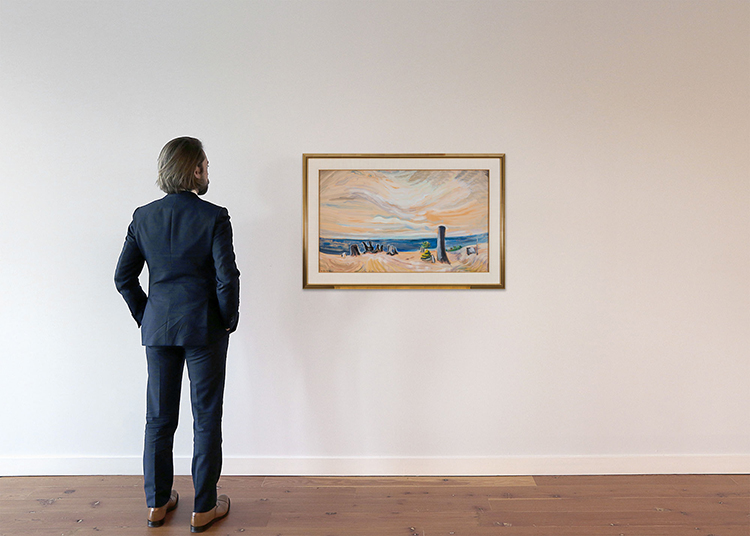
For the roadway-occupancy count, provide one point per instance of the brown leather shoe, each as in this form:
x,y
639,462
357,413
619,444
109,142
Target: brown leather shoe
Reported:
x,y
203,520
156,516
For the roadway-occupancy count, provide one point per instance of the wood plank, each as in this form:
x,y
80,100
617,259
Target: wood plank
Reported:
x,y
225,529
129,514
622,491
447,500
298,503
604,519
46,481
657,504
635,480
295,500
411,481
245,482
576,530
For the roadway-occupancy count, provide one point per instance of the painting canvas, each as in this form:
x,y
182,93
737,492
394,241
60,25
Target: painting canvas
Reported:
x,y
404,221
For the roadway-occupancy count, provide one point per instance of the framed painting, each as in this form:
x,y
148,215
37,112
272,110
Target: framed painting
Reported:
x,y
404,221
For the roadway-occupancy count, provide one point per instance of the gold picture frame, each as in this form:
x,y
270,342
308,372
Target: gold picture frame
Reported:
x,y
404,221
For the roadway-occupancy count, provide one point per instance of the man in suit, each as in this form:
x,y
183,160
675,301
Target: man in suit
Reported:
x,y
191,308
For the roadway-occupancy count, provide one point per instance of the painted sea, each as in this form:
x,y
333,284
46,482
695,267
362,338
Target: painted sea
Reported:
x,y
337,246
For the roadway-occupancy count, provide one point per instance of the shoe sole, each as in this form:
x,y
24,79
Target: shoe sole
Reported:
x,y
207,526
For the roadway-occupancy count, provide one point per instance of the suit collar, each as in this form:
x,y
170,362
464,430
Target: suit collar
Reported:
x,y
185,192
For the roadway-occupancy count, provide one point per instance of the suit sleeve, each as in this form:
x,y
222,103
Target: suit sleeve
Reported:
x,y
129,267
227,274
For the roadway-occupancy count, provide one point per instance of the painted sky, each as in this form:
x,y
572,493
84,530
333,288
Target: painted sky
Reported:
x,y
403,204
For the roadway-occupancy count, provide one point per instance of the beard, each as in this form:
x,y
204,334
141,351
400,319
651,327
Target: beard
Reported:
x,y
203,188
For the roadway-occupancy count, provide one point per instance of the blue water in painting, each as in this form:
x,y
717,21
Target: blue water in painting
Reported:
x,y
337,246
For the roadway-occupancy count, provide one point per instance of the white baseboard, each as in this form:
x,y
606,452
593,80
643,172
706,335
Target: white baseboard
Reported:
x,y
391,466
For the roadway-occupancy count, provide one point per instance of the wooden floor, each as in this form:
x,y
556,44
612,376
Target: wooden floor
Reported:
x,y
662,505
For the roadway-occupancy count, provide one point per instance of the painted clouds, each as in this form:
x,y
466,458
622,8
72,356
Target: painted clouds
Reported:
x,y
403,204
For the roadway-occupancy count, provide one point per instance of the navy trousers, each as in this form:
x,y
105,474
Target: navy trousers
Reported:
x,y
207,372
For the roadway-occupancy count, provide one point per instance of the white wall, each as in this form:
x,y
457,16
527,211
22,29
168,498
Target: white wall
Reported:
x,y
620,344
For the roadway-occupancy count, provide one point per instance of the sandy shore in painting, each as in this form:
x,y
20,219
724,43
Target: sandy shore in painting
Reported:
x,y
406,261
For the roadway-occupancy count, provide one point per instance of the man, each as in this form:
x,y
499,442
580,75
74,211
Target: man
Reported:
x,y
191,308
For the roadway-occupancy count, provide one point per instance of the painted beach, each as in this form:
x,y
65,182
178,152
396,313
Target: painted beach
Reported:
x,y
406,261
424,220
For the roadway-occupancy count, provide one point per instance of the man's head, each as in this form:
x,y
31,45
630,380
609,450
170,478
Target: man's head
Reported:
x,y
183,167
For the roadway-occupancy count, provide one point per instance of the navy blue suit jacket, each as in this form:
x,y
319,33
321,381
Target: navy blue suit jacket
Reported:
x,y
194,284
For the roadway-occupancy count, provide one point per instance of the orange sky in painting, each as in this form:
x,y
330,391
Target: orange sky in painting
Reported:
x,y
404,204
